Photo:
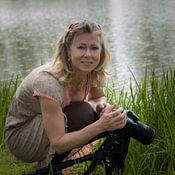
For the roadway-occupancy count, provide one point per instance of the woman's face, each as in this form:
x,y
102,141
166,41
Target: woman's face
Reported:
x,y
84,52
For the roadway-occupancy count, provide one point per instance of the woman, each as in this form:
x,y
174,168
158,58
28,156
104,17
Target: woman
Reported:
x,y
54,110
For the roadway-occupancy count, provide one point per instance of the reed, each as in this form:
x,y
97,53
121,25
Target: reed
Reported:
x,y
7,90
152,98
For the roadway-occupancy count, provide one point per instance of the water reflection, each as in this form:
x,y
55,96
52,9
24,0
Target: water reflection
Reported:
x,y
144,36
140,33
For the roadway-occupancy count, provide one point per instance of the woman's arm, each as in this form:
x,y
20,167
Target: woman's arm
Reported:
x,y
53,121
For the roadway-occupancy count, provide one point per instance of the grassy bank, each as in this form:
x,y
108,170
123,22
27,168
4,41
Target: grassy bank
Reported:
x,y
152,99
8,164
7,90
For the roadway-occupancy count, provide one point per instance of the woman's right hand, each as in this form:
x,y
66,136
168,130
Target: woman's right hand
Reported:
x,y
112,119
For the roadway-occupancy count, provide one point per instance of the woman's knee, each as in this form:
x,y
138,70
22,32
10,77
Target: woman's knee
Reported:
x,y
79,114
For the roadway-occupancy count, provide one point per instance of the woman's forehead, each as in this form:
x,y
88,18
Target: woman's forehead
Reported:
x,y
87,38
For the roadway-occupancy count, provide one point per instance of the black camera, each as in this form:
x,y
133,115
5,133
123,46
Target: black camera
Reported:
x,y
139,131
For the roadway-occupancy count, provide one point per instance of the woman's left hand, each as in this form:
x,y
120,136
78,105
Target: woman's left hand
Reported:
x,y
101,107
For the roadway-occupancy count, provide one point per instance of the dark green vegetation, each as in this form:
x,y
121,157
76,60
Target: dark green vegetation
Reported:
x,y
152,99
8,164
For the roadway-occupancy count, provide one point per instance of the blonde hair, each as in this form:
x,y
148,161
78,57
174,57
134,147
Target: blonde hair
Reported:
x,y
62,63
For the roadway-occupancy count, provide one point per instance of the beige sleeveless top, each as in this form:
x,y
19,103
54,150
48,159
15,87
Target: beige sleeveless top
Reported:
x,y
24,132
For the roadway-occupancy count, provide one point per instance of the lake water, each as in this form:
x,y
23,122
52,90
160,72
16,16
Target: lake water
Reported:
x,y
140,33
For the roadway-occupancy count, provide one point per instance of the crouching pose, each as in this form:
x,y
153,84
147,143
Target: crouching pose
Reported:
x,y
61,105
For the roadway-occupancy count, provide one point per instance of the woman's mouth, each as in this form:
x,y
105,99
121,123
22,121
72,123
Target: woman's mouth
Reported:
x,y
87,62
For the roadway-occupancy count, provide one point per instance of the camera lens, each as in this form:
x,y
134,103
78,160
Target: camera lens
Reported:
x,y
144,134
139,131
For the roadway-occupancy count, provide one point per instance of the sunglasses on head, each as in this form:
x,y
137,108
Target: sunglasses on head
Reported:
x,y
84,23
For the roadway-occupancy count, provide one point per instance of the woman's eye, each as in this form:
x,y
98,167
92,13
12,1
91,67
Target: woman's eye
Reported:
x,y
94,48
81,47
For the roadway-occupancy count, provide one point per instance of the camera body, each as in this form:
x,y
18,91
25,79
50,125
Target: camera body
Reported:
x,y
138,130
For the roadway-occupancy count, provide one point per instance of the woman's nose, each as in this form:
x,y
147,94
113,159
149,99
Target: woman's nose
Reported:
x,y
87,53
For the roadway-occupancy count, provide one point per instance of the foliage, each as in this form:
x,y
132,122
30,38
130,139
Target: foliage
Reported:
x,y
152,99
7,90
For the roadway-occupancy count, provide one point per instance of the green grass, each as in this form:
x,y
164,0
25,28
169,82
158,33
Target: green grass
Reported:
x,y
9,165
7,90
152,99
